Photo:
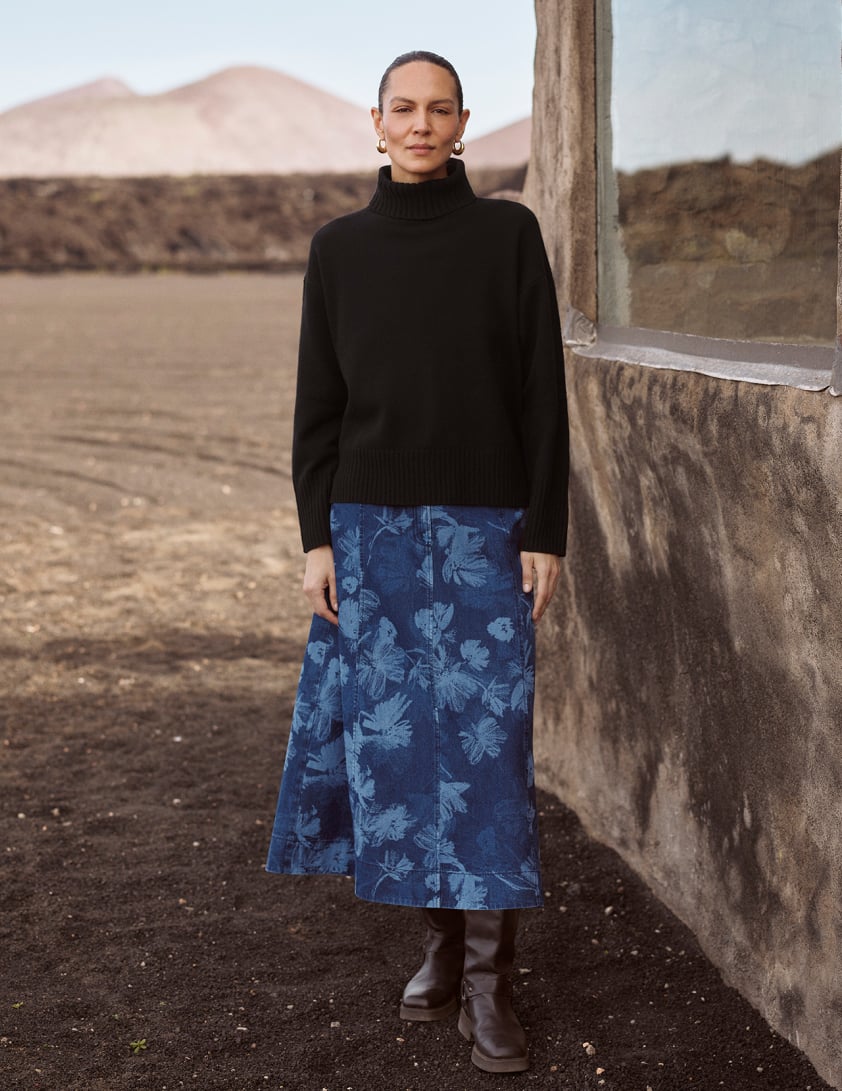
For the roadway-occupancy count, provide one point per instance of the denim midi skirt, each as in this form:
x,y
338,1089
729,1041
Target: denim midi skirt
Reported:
x,y
409,763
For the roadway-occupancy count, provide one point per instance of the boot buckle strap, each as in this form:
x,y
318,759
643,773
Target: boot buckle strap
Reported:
x,y
486,984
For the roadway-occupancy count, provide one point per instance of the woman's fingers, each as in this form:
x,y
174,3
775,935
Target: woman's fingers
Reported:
x,y
320,583
331,590
320,607
540,575
543,592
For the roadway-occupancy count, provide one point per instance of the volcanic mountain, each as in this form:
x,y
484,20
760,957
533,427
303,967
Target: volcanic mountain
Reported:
x,y
506,147
240,120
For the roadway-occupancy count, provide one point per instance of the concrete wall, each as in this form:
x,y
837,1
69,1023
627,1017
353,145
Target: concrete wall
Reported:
x,y
690,698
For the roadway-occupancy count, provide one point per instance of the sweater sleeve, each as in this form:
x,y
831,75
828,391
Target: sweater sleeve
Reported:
x,y
545,427
321,396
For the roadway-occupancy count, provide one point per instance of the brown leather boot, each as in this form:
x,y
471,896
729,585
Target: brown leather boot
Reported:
x,y
433,993
487,1018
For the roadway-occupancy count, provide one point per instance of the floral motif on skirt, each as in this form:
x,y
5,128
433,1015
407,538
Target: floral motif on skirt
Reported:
x,y
409,763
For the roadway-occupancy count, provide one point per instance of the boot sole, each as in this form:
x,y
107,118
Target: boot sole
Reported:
x,y
429,1015
489,1064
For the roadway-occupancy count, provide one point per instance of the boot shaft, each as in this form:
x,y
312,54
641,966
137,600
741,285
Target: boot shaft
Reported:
x,y
445,929
490,941
487,1017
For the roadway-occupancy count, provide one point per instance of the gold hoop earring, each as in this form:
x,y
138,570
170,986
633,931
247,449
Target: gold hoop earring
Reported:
x,y
458,147
381,145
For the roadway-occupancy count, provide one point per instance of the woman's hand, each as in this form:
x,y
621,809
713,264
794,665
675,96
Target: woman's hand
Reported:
x,y
541,571
320,576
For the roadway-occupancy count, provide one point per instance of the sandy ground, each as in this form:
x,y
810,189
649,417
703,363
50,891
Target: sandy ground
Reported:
x,y
150,633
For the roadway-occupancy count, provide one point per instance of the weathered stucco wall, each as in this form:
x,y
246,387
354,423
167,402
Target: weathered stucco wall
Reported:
x,y
561,180
690,694
692,712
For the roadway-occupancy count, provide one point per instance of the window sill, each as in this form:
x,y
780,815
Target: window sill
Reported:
x,y
807,367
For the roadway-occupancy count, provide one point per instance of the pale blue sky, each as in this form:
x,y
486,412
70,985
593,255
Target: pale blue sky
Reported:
x,y
698,79
342,47
692,78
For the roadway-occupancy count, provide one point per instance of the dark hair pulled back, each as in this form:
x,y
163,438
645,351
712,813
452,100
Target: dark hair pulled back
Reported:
x,y
410,58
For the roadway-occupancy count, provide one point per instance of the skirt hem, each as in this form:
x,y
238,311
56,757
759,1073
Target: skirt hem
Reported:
x,y
421,884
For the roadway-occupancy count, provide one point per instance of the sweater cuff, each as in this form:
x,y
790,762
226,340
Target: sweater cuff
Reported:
x,y
546,531
315,533
314,516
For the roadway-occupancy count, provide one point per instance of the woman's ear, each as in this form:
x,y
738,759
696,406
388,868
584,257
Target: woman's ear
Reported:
x,y
377,118
463,121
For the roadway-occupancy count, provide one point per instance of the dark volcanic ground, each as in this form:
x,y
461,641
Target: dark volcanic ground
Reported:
x,y
150,633
199,223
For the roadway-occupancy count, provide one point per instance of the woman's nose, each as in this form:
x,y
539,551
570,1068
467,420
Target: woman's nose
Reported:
x,y
422,125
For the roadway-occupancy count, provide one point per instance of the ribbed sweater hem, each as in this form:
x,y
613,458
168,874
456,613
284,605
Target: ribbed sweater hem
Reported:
x,y
481,477
472,477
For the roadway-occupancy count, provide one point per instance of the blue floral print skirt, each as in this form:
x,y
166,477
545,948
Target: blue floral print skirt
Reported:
x,y
409,763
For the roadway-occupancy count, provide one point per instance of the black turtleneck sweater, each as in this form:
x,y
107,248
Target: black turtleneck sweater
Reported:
x,y
430,362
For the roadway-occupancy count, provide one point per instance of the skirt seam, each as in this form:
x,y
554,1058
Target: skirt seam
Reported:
x,y
434,684
516,568
291,841
353,728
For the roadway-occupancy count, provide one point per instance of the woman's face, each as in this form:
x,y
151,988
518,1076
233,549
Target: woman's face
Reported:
x,y
420,121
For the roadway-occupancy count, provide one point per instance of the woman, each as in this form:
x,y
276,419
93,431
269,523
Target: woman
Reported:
x,y
430,467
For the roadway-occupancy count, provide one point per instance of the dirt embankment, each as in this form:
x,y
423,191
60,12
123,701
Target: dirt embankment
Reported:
x,y
718,248
720,210
200,223
745,250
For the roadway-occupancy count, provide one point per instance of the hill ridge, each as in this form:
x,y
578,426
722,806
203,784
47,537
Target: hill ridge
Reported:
x,y
241,119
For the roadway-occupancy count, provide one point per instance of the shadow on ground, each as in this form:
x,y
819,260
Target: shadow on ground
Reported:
x,y
135,910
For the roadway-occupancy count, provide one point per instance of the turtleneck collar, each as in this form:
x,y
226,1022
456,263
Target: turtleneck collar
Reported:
x,y
422,200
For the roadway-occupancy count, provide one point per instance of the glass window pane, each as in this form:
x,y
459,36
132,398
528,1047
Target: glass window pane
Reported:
x,y
719,167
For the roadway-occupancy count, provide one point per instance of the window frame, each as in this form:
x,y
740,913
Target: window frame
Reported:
x,y
568,184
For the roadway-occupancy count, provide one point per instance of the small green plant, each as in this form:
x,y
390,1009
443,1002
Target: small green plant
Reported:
x,y
18,1004
137,1046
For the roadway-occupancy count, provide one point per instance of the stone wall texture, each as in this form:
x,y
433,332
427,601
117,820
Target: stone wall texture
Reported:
x,y
690,693
690,703
561,180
